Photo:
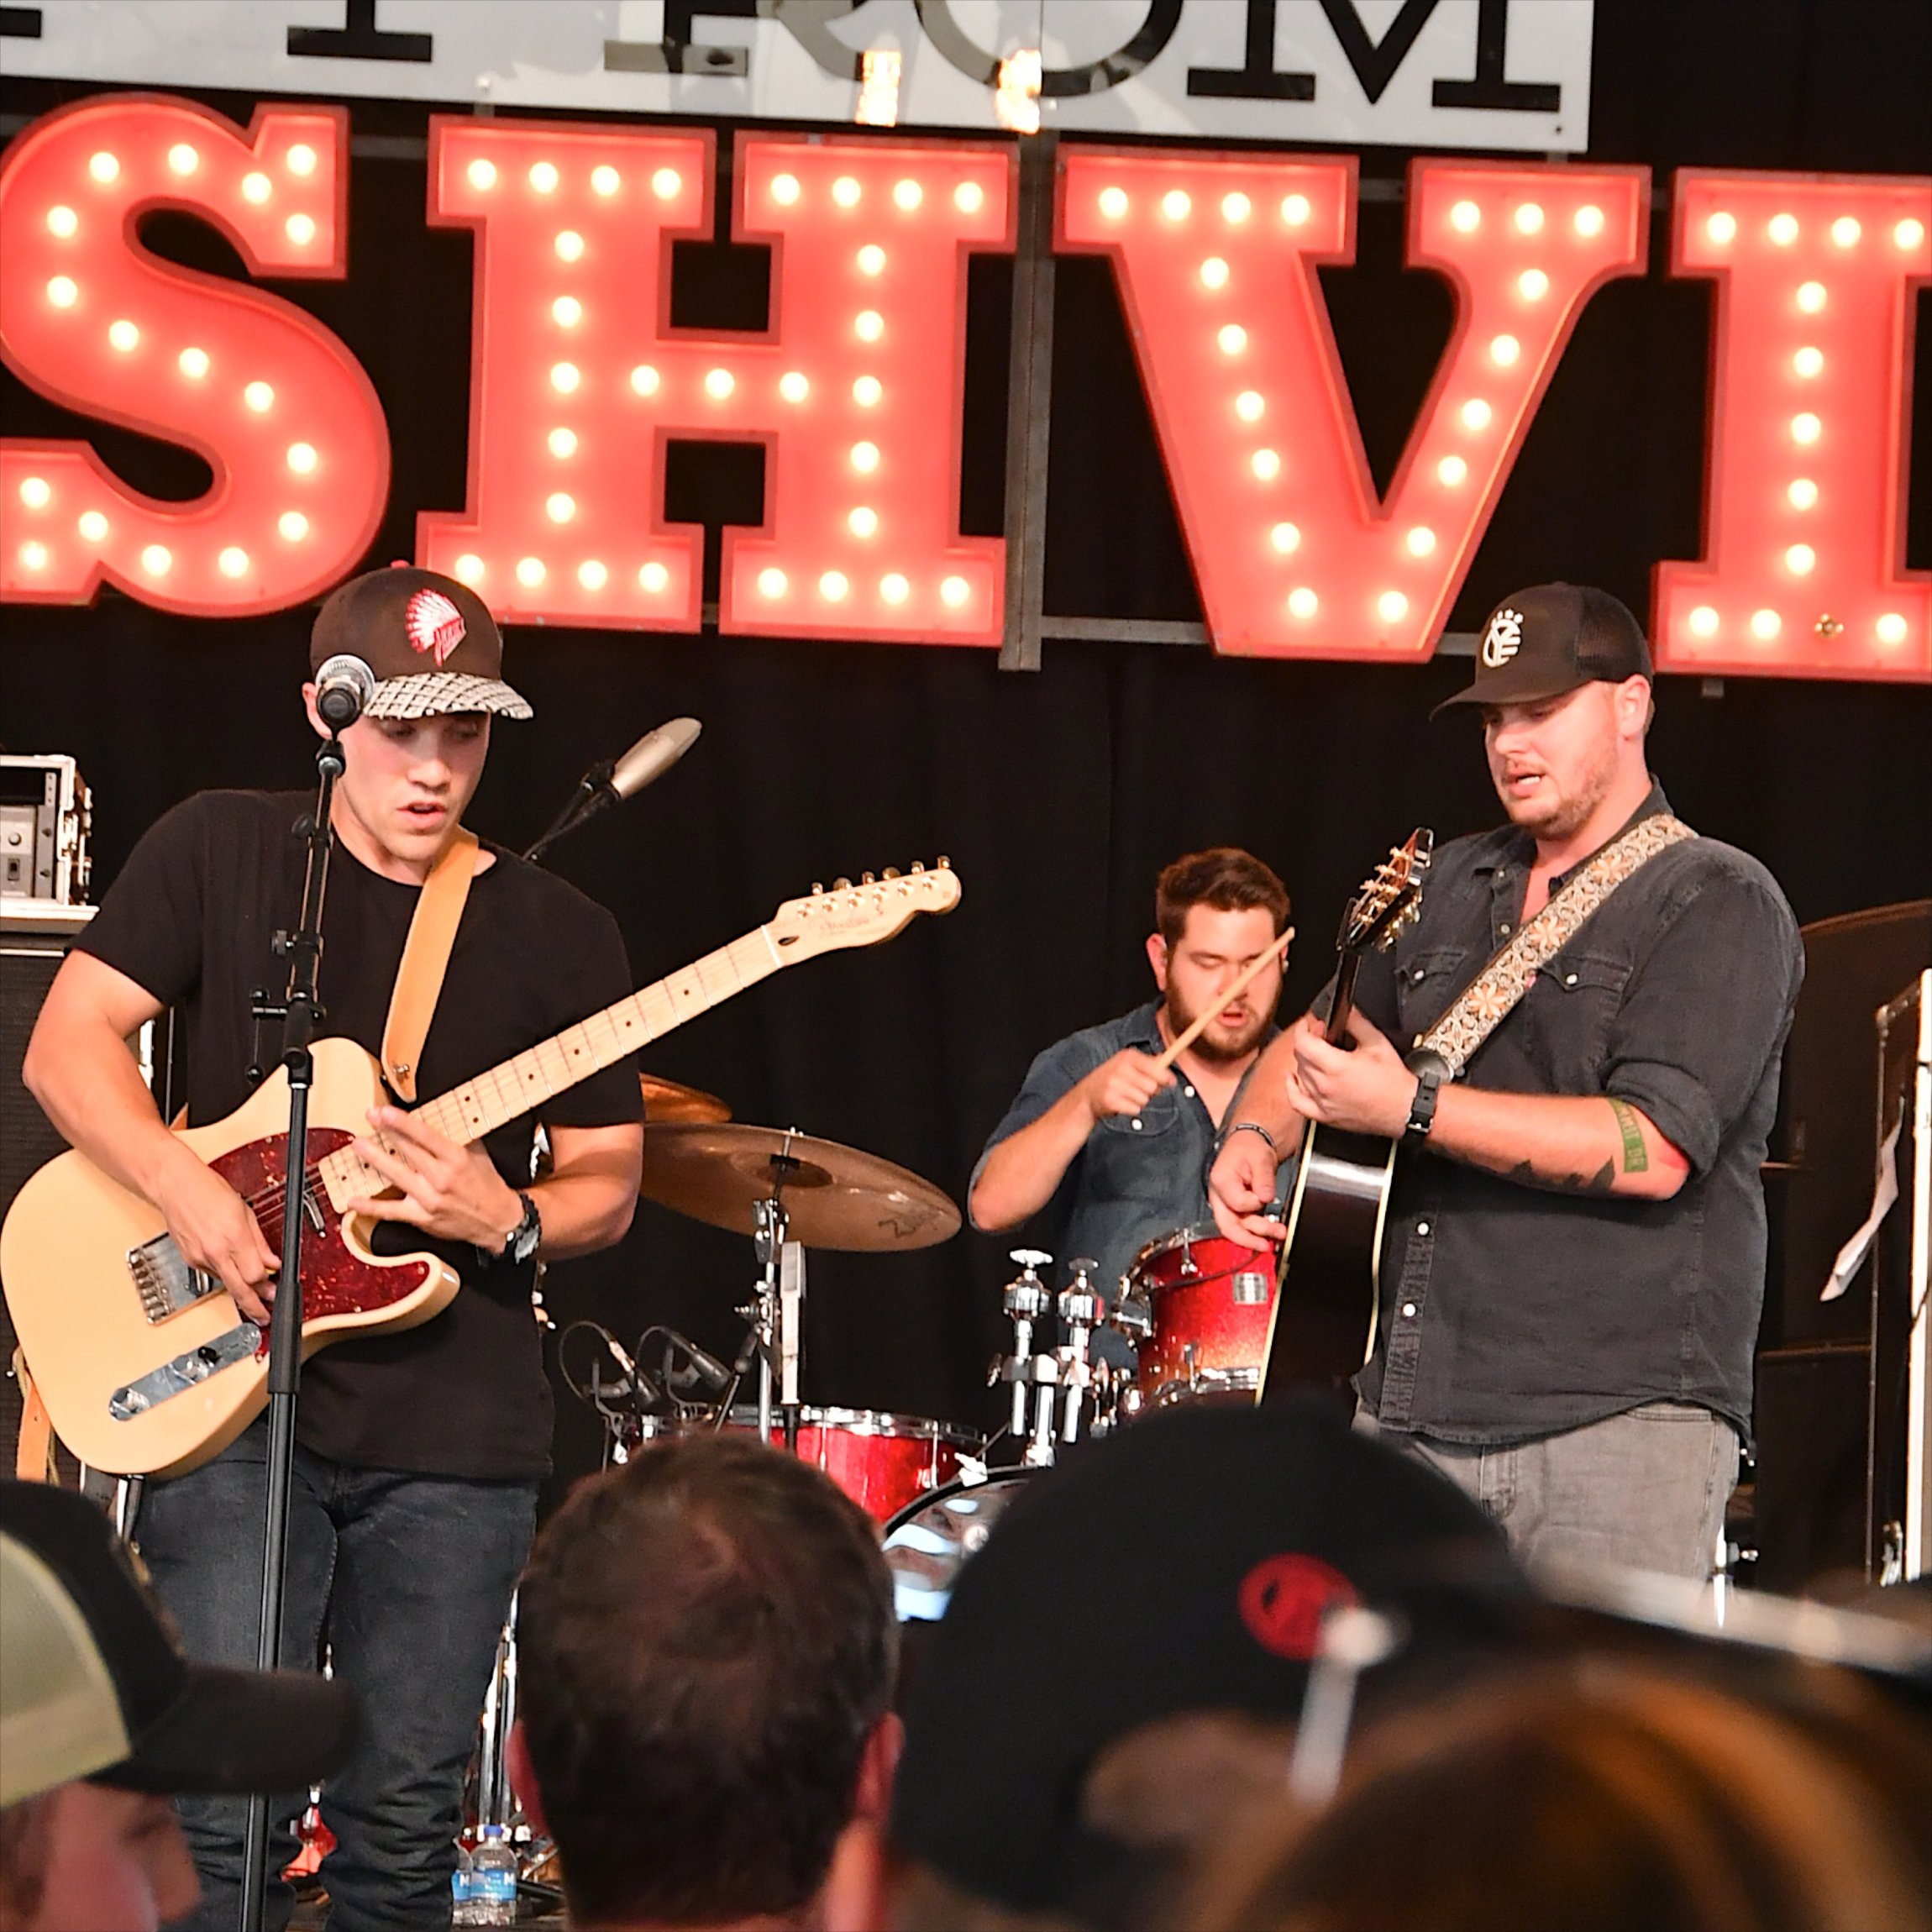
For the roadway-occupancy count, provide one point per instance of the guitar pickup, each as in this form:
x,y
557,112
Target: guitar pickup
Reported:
x,y
163,1280
186,1371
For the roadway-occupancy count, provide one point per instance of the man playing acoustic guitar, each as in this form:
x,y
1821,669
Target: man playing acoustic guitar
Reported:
x,y
1573,1263
418,1453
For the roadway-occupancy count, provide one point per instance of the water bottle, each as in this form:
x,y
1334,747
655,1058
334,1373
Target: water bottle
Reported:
x,y
493,1879
463,1888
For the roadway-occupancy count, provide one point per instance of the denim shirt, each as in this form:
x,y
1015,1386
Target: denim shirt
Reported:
x,y
1510,1311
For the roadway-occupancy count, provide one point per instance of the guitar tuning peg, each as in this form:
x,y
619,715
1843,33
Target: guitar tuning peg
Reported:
x,y
866,878
892,871
842,885
817,889
945,863
918,865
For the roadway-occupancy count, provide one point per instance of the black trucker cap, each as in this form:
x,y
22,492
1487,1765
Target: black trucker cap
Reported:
x,y
1551,638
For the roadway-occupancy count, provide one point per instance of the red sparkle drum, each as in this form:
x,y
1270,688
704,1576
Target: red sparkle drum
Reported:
x,y
1201,1325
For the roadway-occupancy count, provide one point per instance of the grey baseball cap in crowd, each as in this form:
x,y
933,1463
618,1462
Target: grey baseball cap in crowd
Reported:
x,y
1549,639
431,641
93,1685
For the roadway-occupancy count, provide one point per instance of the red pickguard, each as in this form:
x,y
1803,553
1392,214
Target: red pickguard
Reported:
x,y
335,1280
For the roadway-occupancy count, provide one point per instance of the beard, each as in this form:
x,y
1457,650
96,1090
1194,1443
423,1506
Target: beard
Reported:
x,y
1215,1044
1563,816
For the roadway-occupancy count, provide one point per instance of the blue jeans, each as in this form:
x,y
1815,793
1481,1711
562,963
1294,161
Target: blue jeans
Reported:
x,y
408,1578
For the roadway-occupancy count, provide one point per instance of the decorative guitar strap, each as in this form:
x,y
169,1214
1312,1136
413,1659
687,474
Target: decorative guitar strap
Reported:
x,y
1491,996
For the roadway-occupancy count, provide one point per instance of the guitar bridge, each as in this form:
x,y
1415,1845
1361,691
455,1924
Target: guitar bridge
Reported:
x,y
163,1280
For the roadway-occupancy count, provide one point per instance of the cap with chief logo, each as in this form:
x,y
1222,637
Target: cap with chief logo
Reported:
x,y
93,1685
1549,639
431,641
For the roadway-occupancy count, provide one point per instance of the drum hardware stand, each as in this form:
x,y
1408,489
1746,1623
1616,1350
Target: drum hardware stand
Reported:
x,y
776,1312
1025,1301
1081,1307
495,1802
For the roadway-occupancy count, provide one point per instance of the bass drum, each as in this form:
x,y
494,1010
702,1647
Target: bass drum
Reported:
x,y
927,1543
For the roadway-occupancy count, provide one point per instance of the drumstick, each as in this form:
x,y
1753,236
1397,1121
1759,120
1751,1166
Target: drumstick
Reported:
x,y
1279,950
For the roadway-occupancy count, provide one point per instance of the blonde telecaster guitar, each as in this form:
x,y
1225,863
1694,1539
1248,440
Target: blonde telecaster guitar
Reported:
x,y
144,1363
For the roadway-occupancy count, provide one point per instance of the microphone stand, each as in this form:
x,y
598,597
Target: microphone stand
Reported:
x,y
593,790
301,1015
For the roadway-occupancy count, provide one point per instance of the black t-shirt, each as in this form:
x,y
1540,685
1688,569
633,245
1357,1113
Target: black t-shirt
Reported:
x,y
191,919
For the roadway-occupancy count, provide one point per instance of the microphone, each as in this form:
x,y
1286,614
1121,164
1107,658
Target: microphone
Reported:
x,y
343,686
604,785
699,1365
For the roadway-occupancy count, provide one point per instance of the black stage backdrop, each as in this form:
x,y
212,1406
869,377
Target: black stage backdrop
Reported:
x,y
1060,794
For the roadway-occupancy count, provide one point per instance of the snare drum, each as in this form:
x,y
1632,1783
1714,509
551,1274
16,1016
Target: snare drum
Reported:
x,y
1207,1301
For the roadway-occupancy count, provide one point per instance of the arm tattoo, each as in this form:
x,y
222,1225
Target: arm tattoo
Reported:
x,y
1635,1160
1526,1174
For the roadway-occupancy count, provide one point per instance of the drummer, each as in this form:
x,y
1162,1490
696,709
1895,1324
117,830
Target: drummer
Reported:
x,y
1117,1148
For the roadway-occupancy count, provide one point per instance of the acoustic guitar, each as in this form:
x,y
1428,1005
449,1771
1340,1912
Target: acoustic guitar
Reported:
x,y
144,1363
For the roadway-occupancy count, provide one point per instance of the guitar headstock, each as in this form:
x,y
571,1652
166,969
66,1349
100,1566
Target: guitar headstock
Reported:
x,y
1390,898
861,914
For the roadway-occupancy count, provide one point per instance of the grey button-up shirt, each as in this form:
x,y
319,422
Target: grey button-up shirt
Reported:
x,y
1510,1312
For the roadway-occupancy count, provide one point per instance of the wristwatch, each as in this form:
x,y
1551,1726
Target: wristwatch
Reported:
x,y
520,1243
1428,1069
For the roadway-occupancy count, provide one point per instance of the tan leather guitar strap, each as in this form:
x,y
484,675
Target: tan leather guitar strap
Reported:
x,y
425,960
1492,995
33,1449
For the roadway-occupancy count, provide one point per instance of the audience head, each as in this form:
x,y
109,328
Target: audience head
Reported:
x,y
708,1648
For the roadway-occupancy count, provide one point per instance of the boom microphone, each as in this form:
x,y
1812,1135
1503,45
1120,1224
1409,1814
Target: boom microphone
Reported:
x,y
343,686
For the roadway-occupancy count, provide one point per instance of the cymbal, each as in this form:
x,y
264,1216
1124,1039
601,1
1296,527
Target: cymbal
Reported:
x,y
667,1103
835,1196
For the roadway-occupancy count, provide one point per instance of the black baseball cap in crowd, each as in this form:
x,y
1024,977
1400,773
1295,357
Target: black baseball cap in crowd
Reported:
x,y
1549,639
1183,1565
431,641
93,1685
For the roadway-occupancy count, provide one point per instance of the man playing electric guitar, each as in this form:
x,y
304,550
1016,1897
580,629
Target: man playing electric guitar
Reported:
x,y
419,1452
1572,1264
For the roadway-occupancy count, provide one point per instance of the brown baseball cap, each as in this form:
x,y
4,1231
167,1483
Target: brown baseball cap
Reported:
x,y
431,641
1549,639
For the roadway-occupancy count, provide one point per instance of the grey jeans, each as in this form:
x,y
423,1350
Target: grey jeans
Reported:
x,y
1645,1489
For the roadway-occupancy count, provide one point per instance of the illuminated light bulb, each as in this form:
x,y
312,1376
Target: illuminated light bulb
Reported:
x,y
301,458
92,525
1236,207
954,591
529,572
1303,603
300,229
865,456
183,159
36,492
605,180
1802,493
157,559
1704,621
1392,606
869,325
1845,231
470,568
1811,297
1766,625
543,177
1891,627
867,391
894,588
1248,405
793,386
233,562
1529,219
1908,234
644,380
864,522
1721,228
124,335
62,221
256,188
719,383
293,526
1804,428
63,292
103,167
592,575
832,586
1213,272
785,189
1294,210
968,197
771,583
1808,360
1453,471
1175,204
482,176
1421,541
1113,203
193,362
845,191
1465,217
666,183
1233,340
1266,464
1504,350
1782,228
569,246
1590,220
564,376
567,310
871,259
301,158
33,556
1801,559
1476,413
1532,284
907,194
655,578
560,507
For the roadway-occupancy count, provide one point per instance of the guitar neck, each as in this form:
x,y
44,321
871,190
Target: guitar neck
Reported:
x,y
1346,968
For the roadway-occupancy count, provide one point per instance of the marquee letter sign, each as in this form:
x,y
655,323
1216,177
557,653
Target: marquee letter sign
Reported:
x,y
1811,350
1216,258
855,388
283,413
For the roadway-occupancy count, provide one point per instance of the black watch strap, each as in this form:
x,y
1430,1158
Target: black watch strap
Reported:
x,y
1428,1069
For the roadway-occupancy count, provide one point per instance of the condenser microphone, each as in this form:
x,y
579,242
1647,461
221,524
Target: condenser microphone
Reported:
x,y
343,686
650,758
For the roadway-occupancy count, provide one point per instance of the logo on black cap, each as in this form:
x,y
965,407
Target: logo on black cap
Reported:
x,y
1503,638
